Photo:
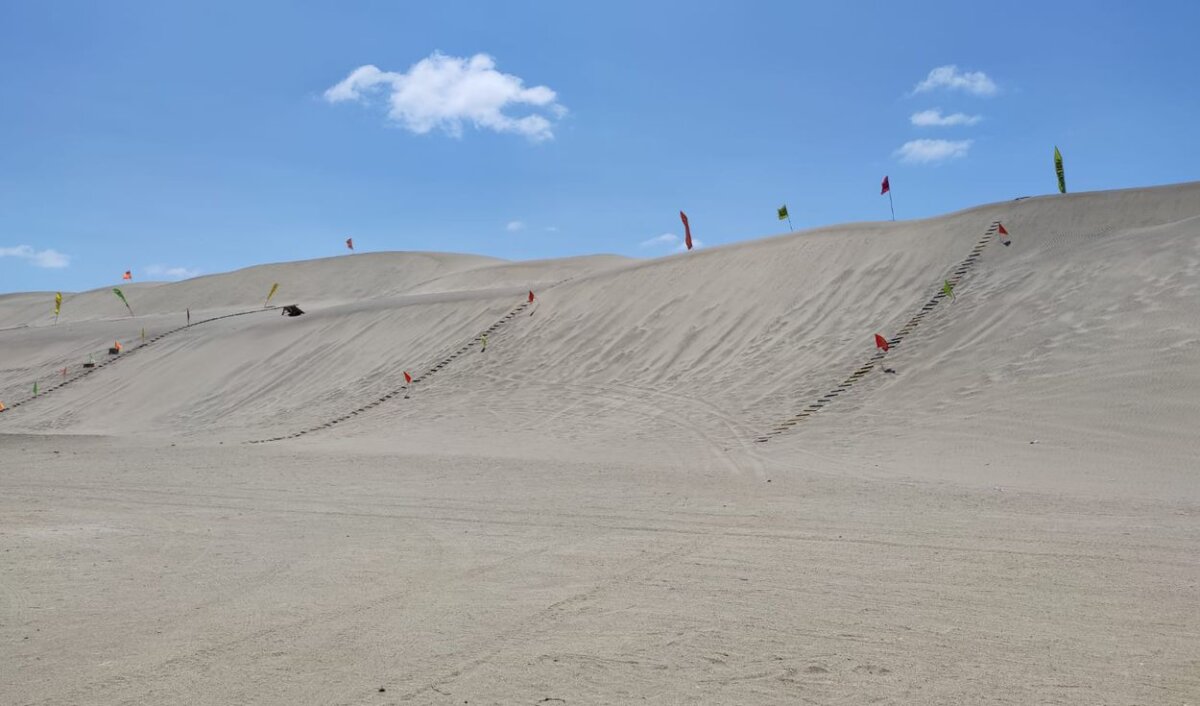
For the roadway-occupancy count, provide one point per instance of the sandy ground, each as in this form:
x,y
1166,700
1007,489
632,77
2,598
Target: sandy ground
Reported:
x,y
215,576
585,513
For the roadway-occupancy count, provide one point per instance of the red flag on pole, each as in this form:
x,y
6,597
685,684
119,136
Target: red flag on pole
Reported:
x,y
531,296
881,342
687,230
128,275
350,243
407,377
1000,230
885,187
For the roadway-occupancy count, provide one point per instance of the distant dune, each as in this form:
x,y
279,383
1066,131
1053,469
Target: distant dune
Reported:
x,y
1084,330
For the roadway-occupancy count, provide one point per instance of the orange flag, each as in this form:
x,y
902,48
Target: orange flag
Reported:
x,y
128,275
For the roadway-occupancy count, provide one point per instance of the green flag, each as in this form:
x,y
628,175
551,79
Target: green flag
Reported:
x,y
948,289
121,296
271,293
1058,169
783,214
35,388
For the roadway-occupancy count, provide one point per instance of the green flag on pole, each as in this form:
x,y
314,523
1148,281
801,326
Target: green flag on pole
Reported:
x,y
948,289
782,212
1058,169
121,296
35,388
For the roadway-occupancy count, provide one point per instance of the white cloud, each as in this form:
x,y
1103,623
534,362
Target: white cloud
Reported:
x,y
51,259
926,151
974,82
514,226
934,118
551,229
443,92
172,272
670,240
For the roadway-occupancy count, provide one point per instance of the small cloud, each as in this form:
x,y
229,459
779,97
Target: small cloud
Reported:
x,y
934,118
551,229
660,240
928,151
976,83
514,226
444,92
670,240
50,259
172,272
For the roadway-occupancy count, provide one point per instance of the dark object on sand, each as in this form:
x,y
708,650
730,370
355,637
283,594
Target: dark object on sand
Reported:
x,y
114,351
889,370
292,310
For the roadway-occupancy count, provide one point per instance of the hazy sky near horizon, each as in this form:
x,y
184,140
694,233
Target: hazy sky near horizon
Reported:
x,y
176,139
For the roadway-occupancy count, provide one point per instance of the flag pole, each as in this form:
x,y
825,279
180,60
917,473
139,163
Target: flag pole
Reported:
x,y
790,228
890,204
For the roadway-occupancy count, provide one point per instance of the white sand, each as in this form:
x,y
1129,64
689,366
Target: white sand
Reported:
x,y
583,513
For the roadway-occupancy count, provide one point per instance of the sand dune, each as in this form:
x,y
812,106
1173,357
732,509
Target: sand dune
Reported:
x,y
1008,516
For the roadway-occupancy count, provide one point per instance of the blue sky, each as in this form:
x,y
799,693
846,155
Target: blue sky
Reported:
x,y
176,138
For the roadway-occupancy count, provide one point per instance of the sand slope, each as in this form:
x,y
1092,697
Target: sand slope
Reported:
x,y
582,512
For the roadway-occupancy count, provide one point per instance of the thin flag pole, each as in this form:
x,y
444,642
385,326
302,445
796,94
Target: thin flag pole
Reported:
x,y
790,228
890,204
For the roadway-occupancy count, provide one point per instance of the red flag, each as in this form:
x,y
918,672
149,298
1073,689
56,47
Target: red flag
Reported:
x,y
350,243
1000,230
885,187
531,296
881,342
128,275
407,377
687,230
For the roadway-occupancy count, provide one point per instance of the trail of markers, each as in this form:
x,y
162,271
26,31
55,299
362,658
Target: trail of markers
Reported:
x,y
410,380
86,371
884,345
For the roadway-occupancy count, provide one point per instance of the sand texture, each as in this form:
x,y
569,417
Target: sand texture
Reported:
x,y
686,480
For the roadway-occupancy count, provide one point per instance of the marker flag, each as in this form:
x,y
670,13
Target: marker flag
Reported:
x,y
531,296
121,296
350,243
407,378
1003,234
271,293
885,186
948,289
1058,169
128,275
57,305
881,342
35,391
687,230
782,211
64,372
